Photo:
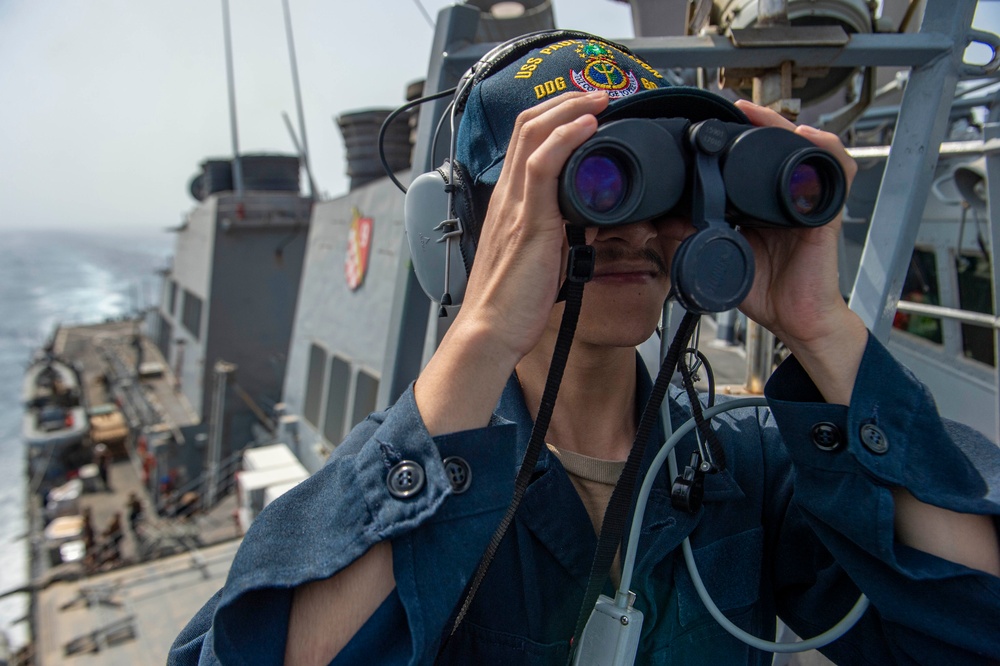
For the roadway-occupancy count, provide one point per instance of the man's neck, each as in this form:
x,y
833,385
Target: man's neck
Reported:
x,y
595,409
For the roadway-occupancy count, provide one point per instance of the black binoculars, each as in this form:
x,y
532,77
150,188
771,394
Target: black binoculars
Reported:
x,y
641,169
719,175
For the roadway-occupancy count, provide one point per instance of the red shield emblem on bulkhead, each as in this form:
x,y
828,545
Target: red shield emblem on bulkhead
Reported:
x,y
359,240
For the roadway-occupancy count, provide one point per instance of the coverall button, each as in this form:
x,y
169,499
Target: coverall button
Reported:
x,y
826,436
874,438
406,479
459,474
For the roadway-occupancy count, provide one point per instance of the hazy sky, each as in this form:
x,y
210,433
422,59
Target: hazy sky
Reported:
x,y
107,107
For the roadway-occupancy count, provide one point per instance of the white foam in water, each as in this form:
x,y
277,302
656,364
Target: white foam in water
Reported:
x,y
47,279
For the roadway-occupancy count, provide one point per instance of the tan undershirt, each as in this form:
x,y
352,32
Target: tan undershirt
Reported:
x,y
594,480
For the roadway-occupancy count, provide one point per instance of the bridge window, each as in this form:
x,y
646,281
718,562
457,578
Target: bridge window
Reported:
x,y
365,396
172,299
975,293
314,384
336,400
165,335
191,315
921,286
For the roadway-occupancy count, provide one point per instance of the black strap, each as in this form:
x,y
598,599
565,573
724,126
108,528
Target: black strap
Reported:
x,y
581,256
619,507
718,458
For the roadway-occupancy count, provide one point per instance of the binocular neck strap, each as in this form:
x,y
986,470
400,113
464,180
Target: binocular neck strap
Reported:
x,y
579,271
618,510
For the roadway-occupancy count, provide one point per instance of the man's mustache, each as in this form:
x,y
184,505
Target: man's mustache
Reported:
x,y
614,253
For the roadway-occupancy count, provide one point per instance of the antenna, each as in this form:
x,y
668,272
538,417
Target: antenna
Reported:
x,y
304,150
237,168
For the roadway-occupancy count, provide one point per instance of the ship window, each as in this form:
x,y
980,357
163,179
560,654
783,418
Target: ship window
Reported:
x,y
921,286
172,299
336,399
365,395
191,316
166,334
314,384
975,293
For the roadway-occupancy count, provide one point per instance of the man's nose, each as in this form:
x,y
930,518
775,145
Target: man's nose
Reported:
x,y
636,234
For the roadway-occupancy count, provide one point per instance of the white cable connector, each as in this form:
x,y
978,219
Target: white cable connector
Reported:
x,y
611,637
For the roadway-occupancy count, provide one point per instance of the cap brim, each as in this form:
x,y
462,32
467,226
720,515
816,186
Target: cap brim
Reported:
x,y
688,102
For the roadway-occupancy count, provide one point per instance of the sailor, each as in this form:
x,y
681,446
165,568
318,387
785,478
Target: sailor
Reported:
x,y
89,539
135,512
112,536
851,479
102,458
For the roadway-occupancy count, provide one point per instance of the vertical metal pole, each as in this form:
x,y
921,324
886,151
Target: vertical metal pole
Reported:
x,y
237,168
772,89
760,358
298,96
921,126
215,427
992,131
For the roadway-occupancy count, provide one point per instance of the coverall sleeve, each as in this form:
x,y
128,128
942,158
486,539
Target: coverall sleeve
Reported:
x,y
846,461
332,518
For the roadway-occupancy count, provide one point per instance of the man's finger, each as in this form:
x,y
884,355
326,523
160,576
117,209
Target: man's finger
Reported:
x,y
534,126
763,116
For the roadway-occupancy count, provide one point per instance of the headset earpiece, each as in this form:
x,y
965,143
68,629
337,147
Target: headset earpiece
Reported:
x,y
436,240
712,270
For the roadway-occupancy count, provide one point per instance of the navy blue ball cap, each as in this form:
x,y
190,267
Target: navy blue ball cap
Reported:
x,y
570,61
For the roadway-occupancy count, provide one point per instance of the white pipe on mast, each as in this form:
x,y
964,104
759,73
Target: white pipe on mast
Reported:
x,y
237,168
298,149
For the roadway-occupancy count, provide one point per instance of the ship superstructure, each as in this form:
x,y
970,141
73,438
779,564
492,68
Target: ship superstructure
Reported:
x,y
225,319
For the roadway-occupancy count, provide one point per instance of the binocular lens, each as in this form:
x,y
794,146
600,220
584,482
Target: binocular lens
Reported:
x,y
600,182
805,188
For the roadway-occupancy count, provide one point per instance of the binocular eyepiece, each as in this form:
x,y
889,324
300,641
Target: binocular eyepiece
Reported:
x,y
641,169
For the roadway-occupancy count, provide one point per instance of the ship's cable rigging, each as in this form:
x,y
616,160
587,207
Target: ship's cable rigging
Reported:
x,y
427,16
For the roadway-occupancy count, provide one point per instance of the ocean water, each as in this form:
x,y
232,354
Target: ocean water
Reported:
x,y
48,278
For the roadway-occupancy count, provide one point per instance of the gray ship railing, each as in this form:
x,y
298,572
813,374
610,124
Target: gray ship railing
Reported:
x,y
964,316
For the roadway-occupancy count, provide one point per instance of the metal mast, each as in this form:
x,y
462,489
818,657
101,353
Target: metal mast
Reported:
x,y
237,168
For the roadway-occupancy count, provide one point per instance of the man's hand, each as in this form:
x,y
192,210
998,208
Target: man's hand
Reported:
x,y
796,293
520,258
516,273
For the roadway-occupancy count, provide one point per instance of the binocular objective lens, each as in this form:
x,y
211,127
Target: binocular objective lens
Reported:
x,y
600,183
806,189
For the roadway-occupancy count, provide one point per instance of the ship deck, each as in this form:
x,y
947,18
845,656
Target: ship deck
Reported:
x,y
124,605
131,615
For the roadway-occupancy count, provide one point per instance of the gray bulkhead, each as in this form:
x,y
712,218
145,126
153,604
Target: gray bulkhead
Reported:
x,y
340,335
235,282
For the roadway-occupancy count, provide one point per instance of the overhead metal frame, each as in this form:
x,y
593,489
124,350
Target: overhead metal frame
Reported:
x,y
934,55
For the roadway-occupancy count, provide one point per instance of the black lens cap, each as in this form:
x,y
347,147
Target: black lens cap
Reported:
x,y
712,270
